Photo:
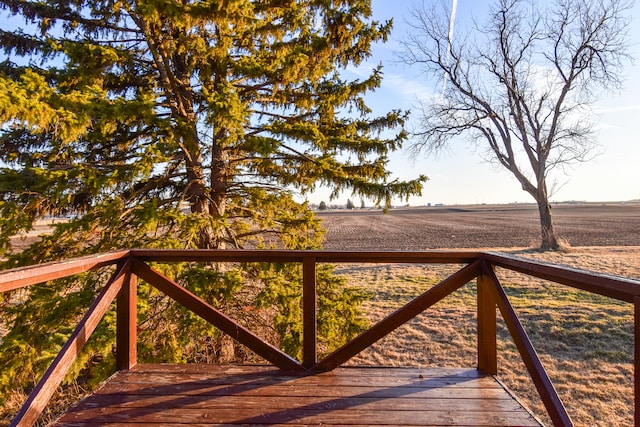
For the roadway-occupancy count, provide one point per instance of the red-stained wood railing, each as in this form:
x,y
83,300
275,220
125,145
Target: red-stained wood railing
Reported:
x,y
132,264
56,372
543,384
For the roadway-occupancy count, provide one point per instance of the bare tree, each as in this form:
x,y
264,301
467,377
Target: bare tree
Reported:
x,y
520,84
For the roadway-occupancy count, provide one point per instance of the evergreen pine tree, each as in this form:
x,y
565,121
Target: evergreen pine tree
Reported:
x,y
183,124
191,118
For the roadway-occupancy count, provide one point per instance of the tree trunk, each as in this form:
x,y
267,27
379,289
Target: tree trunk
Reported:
x,y
218,181
197,191
218,191
199,204
549,239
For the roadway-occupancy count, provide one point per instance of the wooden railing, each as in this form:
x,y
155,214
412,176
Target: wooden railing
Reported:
x,y
132,264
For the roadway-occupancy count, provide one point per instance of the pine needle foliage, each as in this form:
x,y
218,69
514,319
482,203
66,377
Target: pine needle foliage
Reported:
x,y
183,124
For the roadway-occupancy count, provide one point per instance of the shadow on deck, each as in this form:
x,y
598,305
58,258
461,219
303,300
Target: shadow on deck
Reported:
x,y
206,395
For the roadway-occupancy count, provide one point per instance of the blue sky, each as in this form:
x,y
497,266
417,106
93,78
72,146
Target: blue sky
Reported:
x,y
459,176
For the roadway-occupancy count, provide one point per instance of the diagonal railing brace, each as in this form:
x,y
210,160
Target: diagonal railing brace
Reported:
x,y
214,316
399,317
41,394
541,380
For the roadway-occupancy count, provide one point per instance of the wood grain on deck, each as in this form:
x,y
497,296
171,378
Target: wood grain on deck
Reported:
x,y
206,395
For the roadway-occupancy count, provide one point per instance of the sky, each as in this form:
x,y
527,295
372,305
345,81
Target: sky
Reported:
x,y
460,176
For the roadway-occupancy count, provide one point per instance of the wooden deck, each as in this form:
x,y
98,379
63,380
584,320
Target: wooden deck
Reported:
x,y
297,392
206,395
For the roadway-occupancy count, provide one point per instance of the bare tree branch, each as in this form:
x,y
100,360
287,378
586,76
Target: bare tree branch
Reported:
x,y
520,84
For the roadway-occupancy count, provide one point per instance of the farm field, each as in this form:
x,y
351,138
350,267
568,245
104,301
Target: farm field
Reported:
x,y
481,226
585,341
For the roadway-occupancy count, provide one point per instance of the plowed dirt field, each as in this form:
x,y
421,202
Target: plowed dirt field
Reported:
x,y
503,226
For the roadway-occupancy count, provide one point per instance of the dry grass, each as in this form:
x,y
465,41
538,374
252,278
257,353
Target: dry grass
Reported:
x,y
585,341
61,401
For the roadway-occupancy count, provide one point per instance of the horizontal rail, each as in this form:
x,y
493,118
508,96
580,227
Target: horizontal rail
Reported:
x,y
26,276
615,287
610,286
240,255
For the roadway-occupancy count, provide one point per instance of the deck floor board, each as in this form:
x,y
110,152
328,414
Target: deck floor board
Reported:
x,y
213,395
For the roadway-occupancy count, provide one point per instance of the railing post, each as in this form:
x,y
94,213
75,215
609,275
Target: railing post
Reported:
x,y
636,361
127,323
487,341
309,307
